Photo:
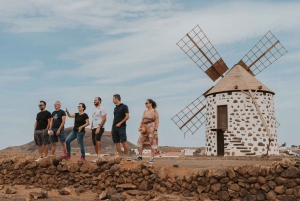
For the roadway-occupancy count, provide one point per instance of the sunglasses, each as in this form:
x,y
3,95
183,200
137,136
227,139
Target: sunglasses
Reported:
x,y
146,103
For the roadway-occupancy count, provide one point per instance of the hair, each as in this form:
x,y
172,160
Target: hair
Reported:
x,y
153,103
83,105
58,102
99,99
43,102
117,96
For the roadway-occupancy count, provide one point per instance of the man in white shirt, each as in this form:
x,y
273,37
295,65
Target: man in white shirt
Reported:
x,y
98,121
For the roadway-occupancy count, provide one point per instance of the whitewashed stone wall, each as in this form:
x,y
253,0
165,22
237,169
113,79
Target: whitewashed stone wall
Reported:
x,y
246,134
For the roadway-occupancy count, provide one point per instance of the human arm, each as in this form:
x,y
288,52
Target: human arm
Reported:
x,y
63,118
124,120
50,127
49,122
156,122
70,115
101,124
87,122
35,124
126,112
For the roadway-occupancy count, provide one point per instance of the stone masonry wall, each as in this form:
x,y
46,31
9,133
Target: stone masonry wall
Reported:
x,y
281,181
246,134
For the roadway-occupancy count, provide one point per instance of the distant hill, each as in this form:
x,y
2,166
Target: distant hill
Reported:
x,y
107,144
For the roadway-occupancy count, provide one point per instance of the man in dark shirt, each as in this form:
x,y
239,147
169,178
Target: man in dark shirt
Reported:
x,y
41,126
57,128
118,131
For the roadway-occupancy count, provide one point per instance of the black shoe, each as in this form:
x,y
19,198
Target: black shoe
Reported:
x,y
138,159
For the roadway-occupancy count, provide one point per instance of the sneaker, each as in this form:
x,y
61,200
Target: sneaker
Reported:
x,y
39,159
66,156
128,158
151,160
95,160
138,159
81,159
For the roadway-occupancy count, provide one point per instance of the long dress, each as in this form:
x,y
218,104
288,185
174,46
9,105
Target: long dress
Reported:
x,y
151,140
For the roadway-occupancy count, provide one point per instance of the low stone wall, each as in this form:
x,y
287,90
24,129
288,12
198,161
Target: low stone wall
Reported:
x,y
116,181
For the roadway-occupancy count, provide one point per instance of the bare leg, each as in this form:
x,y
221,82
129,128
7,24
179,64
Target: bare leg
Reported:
x,y
46,150
98,144
96,148
40,148
118,147
125,148
63,145
53,148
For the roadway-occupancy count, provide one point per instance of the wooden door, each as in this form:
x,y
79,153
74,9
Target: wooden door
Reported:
x,y
220,142
222,117
222,125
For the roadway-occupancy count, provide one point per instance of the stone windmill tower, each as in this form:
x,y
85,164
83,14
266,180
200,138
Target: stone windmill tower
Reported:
x,y
240,115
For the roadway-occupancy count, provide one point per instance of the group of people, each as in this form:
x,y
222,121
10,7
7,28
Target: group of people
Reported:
x,y
50,127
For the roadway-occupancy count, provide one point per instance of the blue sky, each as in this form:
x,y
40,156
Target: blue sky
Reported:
x,y
73,51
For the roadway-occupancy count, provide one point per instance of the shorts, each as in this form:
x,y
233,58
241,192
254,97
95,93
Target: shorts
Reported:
x,y
97,136
62,135
41,137
119,134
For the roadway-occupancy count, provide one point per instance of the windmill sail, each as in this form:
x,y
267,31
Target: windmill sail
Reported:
x,y
196,45
263,54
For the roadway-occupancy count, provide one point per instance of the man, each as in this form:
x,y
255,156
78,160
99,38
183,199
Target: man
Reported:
x,y
57,130
97,127
118,131
41,126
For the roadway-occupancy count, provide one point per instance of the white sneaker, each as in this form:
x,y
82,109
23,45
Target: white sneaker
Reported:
x,y
95,160
128,158
37,160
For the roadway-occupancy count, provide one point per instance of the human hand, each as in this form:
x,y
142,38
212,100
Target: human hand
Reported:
x,y
67,111
51,132
118,125
111,132
57,132
79,129
91,132
97,130
155,133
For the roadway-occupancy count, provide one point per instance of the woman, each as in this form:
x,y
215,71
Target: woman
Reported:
x,y
81,121
151,120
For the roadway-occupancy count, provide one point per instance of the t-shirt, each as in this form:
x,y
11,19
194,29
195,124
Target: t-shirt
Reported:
x,y
57,118
79,121
42,120
119,114
98,112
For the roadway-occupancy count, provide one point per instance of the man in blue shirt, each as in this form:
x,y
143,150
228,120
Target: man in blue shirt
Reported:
x,y
118,131
57,128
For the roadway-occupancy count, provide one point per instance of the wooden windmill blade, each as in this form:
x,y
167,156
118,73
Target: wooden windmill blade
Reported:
x,y
263,54
196,45
192,117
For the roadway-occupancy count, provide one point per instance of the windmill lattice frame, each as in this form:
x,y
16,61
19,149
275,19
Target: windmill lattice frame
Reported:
x,y
264,53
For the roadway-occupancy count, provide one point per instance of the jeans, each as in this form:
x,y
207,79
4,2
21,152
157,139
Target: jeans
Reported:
x,y
72,136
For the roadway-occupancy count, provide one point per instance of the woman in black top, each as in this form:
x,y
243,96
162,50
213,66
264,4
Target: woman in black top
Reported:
x,y
81,121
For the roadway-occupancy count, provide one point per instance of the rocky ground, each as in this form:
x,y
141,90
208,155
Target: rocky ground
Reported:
x,y
220,185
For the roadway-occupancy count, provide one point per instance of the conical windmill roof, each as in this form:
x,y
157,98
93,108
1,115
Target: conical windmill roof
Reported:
x,y
238,76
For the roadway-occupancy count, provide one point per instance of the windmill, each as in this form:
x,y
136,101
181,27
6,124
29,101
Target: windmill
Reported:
x,y
239,110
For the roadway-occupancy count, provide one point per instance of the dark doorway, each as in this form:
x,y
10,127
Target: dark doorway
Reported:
x,y
220,142
222,125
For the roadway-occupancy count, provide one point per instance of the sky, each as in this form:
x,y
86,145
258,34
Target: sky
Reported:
x,y
73,51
